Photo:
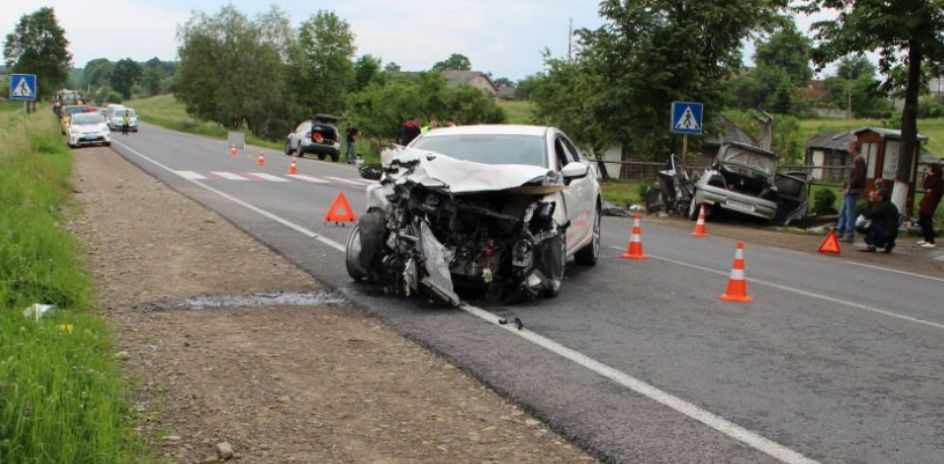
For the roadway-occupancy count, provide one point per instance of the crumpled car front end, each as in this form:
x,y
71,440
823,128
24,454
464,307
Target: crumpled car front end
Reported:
x,y
435,223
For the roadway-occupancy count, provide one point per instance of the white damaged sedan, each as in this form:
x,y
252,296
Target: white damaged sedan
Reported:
x,y
498,207
88,129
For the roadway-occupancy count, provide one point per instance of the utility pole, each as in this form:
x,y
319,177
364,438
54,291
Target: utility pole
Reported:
x,y
570,38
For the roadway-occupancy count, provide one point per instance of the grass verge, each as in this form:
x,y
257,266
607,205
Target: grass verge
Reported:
x,y
62,398
623,192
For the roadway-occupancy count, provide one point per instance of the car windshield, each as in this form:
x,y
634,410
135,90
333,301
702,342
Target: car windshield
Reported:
x,y
120,113
488,148
75,110
87,118
757,161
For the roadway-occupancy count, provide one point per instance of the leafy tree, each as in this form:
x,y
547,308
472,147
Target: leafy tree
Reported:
x,y
97,73
380,109
321,68
855,87
527,85
907,34
38,46
455,61
503,82
124,75
232,70
789,50
650,53
366,70
152,76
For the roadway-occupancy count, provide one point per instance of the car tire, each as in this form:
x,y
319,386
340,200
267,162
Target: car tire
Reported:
x,y
554,271
288,149
335,156
321,156
106,144
590,253
352,255
371,231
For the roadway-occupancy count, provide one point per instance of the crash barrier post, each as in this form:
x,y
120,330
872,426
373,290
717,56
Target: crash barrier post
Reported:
x,y
345,215
634,247
830,244
260,161
700,230
737,283
293,168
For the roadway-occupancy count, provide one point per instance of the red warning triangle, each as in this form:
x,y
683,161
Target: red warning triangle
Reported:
x,y
830,244
345,215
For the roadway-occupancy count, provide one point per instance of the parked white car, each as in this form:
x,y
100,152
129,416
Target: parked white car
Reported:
x,y
319,136
88,129
497,206
116,118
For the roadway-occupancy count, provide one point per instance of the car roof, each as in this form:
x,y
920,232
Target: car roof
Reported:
x,y
489,129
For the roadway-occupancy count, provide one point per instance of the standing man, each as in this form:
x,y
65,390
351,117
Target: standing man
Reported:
x,y
411,129
351,132
854,185
125,122
933,186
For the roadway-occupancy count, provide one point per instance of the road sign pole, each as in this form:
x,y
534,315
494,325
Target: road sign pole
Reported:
x,y
685,151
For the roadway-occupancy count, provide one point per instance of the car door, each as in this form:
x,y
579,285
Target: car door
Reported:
x,y
572,194
299,135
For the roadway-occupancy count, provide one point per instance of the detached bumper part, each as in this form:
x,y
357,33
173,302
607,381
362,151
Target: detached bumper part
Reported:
x,y
439,279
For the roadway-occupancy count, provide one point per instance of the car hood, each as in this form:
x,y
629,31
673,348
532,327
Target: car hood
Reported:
x,y
436,170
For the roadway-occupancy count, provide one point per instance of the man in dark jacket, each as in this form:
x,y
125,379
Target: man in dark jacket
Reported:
x,y
933,186
411,129
853,186
883,227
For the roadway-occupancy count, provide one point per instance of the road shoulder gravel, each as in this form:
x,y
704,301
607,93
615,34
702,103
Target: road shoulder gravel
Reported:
x,y
276,384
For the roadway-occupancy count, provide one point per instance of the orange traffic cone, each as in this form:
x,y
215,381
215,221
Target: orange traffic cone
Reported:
x,y
346,214
700,230
293,168
634,247
232,151
830,244
737,284
260,161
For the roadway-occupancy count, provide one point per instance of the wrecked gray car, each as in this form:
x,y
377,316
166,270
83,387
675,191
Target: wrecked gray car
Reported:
x,y
743,179
435,223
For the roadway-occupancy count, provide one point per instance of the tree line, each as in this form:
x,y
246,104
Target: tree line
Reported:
x,y
261,74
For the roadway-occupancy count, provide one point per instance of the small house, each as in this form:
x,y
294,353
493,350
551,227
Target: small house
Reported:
x,y
881,149
479,80
829,149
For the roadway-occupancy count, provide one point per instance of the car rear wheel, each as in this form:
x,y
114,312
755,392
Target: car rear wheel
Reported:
x,y
589,254
321,156
288,149
335,156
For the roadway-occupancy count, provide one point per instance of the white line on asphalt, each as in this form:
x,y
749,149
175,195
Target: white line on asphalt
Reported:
x,y
307,178
675,403
285,222
189,175
268,177
798,291
347,181
226,175
912,274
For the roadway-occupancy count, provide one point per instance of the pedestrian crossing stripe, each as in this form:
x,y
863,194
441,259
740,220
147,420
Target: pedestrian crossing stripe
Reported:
x,y
250,176
190,175
305,178
268,177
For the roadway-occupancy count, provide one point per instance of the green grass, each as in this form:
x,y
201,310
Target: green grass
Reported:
x,y
166,111
62,398
623,192
518,111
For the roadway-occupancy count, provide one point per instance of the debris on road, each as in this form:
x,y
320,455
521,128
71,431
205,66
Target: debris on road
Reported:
x,y
36,311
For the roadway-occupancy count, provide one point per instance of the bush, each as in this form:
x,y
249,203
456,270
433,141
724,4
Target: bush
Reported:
x,y
824,202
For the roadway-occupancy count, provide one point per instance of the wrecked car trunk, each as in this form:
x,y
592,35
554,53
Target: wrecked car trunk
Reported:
x,y
435,223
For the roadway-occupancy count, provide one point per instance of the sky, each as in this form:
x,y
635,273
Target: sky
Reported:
x,y
505,38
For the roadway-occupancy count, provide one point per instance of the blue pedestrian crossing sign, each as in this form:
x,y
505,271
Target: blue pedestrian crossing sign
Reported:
x,y
23,87
687,117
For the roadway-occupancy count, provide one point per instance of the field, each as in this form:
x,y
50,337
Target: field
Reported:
x,y
61,393
518,112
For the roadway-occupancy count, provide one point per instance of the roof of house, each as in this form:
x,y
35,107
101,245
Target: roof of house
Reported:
x,y
928,158
833,140
886,133
506,92
457,77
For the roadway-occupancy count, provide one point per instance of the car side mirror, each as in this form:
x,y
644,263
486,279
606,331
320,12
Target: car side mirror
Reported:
x,y
575,170
373,171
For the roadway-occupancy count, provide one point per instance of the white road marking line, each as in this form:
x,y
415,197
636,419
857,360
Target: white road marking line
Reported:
x,y
912,274
347,181
285,222
227,175
189,175
307,178
798,291
675,403
268,177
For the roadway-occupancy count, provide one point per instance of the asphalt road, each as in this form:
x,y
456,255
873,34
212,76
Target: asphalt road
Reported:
x,y
638,361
